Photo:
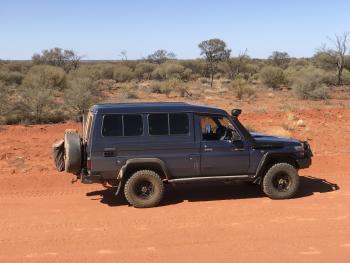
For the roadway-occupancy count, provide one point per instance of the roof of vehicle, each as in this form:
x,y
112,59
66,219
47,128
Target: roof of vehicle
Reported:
x,y
155,107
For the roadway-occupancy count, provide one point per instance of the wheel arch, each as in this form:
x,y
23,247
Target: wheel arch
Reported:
x,y
270,159
136,164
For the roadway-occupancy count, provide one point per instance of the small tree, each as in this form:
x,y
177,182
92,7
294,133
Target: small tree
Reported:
x,y
329,58
78,96
37,95
280,59
160,56
66,59
234,66
214,51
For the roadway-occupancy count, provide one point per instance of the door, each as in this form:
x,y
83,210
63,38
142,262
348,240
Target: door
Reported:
x,y
223,149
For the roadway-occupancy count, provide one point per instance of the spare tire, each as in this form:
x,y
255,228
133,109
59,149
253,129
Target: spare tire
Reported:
x,y
72,152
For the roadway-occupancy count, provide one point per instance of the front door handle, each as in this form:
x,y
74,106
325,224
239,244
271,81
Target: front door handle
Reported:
x,y
207,149
238,149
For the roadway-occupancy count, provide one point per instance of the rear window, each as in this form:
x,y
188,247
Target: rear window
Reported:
x,y
168,124
122,125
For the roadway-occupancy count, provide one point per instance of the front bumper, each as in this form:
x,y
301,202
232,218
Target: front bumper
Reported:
x,y
306,161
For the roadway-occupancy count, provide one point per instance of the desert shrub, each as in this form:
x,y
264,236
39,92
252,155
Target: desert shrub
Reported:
x,y
187,74
11,77
165,87
346,77
144,70
197,66
173,70
93,72
78,97
326,77
37,97
272,77
48,77
309,85
170,70
243,90
123,73
279,59
204,80
66,59
105,71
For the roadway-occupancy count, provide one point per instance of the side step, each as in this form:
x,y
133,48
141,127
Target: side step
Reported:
x,y
211,178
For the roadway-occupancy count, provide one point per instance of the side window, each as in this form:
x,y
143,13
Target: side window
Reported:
x,y
132,125
112,125
179,123
122,125
158,124
215,128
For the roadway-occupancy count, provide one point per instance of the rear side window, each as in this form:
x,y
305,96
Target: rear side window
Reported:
x,y
122,125
158,124
132,125
179,123
168,124
112,125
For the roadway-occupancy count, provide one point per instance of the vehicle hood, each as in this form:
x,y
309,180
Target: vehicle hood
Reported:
x,y
270,141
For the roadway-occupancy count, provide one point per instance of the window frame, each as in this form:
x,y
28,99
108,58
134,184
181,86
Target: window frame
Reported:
x,y
122,115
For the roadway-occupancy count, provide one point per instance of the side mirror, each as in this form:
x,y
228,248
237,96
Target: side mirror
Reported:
x,y
236,112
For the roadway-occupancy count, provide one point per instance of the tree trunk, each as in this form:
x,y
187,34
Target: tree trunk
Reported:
x,y
340,72
212,79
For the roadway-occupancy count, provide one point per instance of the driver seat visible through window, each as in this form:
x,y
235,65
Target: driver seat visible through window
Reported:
x,y
215,128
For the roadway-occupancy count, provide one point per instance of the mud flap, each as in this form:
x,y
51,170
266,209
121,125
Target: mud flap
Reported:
x,y
58,155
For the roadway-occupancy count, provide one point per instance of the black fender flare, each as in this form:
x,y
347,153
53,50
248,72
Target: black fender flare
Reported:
x,y
143,161
268,156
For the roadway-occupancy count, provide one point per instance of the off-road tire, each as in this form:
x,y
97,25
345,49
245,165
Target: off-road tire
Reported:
x,y
273,176
72,152
139,178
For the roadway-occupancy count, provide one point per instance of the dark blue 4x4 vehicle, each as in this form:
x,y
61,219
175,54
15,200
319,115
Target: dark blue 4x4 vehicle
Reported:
x,y
139,147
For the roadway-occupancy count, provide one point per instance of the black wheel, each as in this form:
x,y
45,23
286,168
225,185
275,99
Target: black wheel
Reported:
x,y
144,189
281,181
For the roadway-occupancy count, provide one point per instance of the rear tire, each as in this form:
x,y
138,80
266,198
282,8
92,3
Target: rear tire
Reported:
x,y
281,181
72,152
144,189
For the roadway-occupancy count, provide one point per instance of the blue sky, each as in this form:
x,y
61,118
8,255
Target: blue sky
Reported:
x,y
101,29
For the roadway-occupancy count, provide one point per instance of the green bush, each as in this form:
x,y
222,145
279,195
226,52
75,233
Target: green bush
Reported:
x,y
78,97
273,77
309,85
171,70
144,70
346,77
123,73
48,77
11,77
243,90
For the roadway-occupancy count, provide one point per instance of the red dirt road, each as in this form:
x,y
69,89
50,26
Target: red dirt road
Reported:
x,y
45,218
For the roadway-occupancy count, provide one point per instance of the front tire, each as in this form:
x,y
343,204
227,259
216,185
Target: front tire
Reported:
x,y
144,189
281,181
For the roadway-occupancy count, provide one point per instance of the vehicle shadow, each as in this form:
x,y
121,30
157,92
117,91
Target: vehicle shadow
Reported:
x,y
204,191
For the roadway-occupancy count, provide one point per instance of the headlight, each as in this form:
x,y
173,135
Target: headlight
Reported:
x,y
299,148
